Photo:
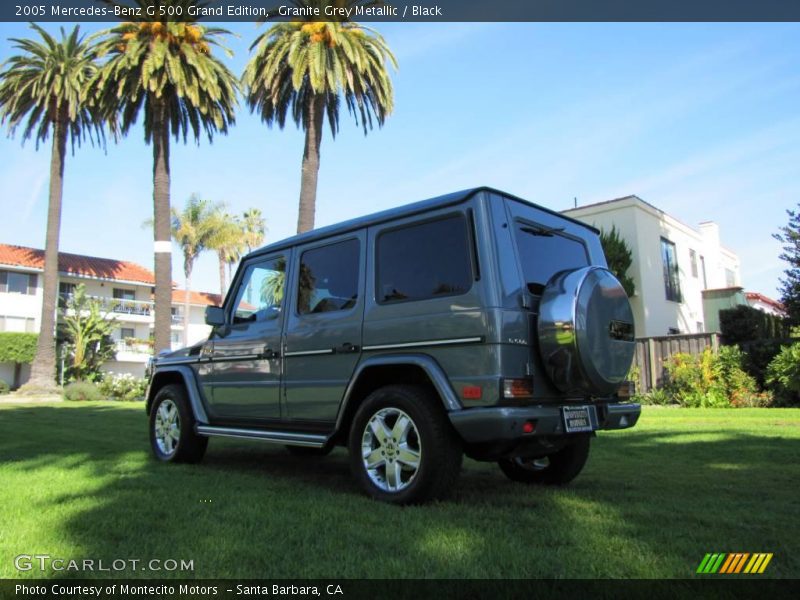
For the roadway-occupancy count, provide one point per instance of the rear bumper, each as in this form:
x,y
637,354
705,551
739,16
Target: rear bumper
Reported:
x,y
504,424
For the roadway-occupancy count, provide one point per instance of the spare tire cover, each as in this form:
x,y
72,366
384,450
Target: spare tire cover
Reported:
x,y
586,331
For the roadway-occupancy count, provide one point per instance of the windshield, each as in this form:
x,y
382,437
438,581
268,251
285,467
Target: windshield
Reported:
x,y
546,251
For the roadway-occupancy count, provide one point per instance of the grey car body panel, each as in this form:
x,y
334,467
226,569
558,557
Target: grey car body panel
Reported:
x,y
473,339
426,363
190,381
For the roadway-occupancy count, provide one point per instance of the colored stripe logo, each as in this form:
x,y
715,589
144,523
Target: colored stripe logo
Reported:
x,y
727,563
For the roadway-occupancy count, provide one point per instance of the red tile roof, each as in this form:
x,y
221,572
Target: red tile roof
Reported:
x,y
201,298
755,296
77,264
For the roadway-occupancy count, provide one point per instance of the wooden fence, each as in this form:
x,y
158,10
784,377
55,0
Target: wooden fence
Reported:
x,y
652,352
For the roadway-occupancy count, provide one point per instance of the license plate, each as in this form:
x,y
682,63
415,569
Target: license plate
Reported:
x,y
578,418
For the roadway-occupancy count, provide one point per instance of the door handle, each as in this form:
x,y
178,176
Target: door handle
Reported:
x,y
269,353
345,348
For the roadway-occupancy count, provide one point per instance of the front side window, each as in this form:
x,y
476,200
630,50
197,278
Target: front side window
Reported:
x,y
669,258
328,278
424,261
260,294
544,251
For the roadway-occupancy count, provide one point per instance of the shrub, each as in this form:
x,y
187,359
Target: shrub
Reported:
x,y
783,375
712,380
82,391
658,396
123,387
747,324
17,347
4,387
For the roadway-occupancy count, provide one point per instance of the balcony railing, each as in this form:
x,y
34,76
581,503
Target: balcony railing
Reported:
x,y
133,347
142,308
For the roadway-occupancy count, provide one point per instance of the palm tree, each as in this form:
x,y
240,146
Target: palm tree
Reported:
x,y
253,228
193,228
303,68
227,241
45,86
166,70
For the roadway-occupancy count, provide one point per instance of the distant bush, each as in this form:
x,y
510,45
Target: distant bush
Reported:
x,y
4,387
783,375
657,396
82,391
123,387
712,380
748,324
17,347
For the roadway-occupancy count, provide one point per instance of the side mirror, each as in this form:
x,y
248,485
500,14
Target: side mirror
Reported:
x,y
215,316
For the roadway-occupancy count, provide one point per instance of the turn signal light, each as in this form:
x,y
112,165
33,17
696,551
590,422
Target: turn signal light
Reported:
x,y
517,388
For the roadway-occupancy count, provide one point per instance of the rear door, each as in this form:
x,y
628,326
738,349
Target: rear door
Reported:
x,y
246,360
323,338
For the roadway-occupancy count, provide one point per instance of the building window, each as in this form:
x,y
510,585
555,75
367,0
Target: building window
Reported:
x,y
703,269
66,289
700,327
672,284
122,294
693,261
730,278
13,282
18,324
329,278
424,260
673,331
126,332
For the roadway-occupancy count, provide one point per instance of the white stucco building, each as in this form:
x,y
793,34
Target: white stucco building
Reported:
x,y
125,290
673,264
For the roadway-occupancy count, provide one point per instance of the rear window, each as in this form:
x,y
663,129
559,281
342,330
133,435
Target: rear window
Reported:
x,y
545,251
425,260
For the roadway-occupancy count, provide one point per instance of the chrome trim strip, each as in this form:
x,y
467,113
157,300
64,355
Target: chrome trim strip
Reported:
x,y
309,352
234,357
426,343
179,361
277,437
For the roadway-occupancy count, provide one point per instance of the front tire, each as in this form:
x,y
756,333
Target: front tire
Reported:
x,y
172,436
403,449
558,468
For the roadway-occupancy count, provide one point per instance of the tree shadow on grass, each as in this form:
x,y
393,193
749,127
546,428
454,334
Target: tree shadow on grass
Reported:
x,y
649,504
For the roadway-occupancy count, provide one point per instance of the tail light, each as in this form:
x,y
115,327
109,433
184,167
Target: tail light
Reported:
x,y
515,389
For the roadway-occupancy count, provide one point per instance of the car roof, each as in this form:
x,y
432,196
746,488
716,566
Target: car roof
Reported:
x,y
398,213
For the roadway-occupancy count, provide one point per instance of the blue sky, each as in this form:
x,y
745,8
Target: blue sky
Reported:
x,y
700,120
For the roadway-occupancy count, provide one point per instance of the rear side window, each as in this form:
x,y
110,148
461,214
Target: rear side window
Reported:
x,y
329,278
544,252
424,261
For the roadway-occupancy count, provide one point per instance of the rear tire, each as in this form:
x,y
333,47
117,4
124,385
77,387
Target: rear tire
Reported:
x,y
403,449
558,468
172,435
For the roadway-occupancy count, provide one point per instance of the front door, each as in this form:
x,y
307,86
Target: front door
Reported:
x,y
245,378
323,337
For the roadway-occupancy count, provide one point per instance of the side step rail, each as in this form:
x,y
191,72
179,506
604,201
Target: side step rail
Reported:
x,y
286,438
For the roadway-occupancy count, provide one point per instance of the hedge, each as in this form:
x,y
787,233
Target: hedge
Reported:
x,y
17,347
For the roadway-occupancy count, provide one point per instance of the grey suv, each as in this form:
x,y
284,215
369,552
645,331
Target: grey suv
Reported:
x,y
474,323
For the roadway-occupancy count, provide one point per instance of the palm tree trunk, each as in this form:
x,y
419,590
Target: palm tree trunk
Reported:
x,y
43,369
187,270
310,170
161,231
222,283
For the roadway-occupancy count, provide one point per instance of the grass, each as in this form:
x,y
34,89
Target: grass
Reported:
x,y
77,481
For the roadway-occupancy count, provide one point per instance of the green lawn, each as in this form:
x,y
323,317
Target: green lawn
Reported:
x,y
77,481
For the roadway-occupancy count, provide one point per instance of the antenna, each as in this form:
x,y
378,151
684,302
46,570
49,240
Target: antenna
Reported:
x,y
576,202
